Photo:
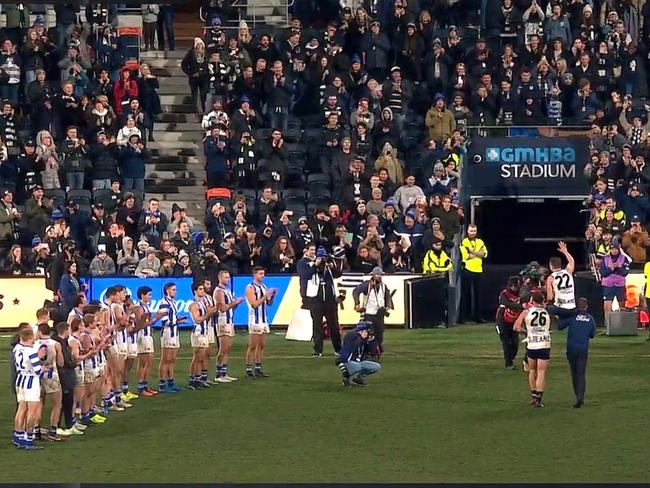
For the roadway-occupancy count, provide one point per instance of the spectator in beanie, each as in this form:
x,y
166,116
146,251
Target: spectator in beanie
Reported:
x,y
102,264
439,121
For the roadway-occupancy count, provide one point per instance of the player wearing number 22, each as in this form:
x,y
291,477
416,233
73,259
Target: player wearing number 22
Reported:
x,y
560,288
537,323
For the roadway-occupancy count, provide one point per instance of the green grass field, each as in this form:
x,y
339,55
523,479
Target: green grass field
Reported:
x,y
442,410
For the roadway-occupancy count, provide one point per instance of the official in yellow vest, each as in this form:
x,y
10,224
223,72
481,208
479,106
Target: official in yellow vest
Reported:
x,y
472,251
646,273
436,259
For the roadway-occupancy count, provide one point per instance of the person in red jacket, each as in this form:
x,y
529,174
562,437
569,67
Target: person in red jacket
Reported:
x,y
509,309
125,89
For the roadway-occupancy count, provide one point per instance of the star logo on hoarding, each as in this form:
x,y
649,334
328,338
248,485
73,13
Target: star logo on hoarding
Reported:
x,y
16,301
492,154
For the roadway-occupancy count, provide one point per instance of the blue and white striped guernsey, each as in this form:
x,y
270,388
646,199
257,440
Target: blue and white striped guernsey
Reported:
x,y
93,361
226,318
146,331
28,366
201,328
208,300
258,316
170,319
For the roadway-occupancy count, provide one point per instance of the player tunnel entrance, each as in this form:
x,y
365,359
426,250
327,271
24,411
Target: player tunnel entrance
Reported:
x,y
518,230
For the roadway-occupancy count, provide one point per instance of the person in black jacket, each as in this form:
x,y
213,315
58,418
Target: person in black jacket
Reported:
x,y
278,89
317,273
357,345
195,66
66,373
104,156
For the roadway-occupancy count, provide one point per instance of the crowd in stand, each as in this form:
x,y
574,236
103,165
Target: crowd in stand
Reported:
x,y
346,129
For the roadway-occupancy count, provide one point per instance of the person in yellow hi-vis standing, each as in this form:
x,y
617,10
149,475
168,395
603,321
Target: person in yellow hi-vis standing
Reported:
x,y
437,261
472,251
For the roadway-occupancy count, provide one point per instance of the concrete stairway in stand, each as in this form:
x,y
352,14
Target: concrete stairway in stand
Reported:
x,y
176,173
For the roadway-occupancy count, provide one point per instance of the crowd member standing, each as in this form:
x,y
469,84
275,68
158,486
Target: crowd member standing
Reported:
x,y
377,301
582,328
473,251
509,309
318,290
536,322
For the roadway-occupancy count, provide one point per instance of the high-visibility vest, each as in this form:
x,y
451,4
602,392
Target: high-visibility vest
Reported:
x,y
646,272
472,263
436,263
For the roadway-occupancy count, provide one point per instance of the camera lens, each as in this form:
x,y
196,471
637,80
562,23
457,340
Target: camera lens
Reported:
x,y
477,158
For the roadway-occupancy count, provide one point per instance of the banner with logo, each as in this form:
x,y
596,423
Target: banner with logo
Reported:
x,y
20,298
280,312
527,166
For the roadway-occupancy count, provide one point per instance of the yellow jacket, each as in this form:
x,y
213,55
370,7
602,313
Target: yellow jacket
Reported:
x,y
472,263
436,263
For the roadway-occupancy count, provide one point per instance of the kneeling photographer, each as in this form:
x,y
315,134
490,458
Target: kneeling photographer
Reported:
x,y
378,300
317,271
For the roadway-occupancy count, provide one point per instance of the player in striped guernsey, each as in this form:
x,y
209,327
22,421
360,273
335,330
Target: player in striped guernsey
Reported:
x,y
258,297
78,355
201,316
144,320
114,323
226,304
212,329
50,380
92,344
27,361
170,340
78,309
131,348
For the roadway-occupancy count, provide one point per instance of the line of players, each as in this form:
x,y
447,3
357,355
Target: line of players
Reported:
x,y
106,340
526,306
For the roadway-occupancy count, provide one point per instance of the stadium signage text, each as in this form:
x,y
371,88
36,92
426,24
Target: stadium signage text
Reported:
x,y
521,166
537,171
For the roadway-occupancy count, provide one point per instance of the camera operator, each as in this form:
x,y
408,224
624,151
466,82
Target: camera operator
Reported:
x,y
377,301
317,272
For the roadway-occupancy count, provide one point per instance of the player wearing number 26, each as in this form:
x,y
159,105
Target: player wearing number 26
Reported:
x,y
537,323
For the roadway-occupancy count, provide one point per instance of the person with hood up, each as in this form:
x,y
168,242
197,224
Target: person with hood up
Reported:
x,y
127,257
388,160
385,130
47,161
124,90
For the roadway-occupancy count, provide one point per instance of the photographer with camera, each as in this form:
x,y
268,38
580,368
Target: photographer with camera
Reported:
x,y
317,272
377,302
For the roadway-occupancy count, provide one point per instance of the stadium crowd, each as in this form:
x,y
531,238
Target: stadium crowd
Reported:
x,y
345,129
